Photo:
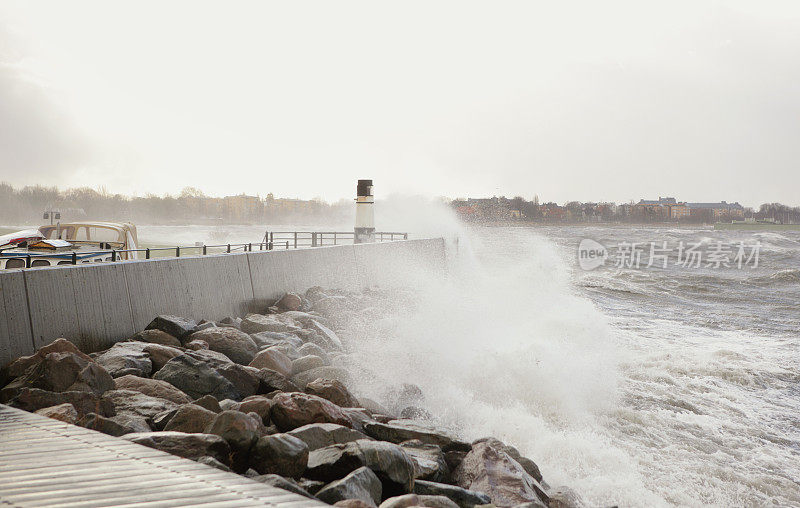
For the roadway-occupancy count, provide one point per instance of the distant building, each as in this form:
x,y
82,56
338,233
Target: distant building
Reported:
x,y
241,207
663,208
717,210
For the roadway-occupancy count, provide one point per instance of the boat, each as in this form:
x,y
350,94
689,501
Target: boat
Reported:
x,y
67,244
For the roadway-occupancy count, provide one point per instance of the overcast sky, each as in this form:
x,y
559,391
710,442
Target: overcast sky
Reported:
x,y
586,100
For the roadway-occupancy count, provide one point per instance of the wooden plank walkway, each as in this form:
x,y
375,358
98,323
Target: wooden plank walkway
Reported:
x,y
44,462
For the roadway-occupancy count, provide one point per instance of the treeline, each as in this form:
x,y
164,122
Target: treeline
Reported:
x,y
25,206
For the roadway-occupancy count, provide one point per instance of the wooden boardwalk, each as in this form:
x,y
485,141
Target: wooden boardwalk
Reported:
x,y
44,462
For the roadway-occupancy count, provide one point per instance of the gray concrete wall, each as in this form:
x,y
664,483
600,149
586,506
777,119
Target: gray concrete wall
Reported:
x,y
99,304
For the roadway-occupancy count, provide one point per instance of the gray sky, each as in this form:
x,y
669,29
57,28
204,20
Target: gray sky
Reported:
x,y
585,100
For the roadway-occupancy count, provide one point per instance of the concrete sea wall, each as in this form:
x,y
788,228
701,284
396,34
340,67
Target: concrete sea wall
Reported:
x,y
97,305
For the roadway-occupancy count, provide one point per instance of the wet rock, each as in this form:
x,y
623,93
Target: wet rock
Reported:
x,y
331,340
527,464
229,405
153,388
230,321
429,461
311,349
280,482
565,497
462,497
126,358
320,435
417,500
397,431
307,362
240,431
20,365
454,458
388,461
259,405
195,378
196,345
272,339
63,412
31,399
114,426
374,407
233,343
173,325
281,454
190,418
273,359
332,390
289,301
353,503
159,354
189,446
61,372
415,413
327,372
155,336
361,484
137,403
295,409
211,461
311,486
204,325
358,417
270,381
489,469
208,402
244,379
256,323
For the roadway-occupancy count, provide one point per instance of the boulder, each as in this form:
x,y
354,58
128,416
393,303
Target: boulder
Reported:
x,y
61,372
233,343
153,388
230,321
20,365
307,362
273,359
489,469
429,461
190,418
256,323
211,461
353,503
174,325
240,431
332,390
244,379
415,413
196,345
270,381
209,402
527,464
397,431
409,500
280,482
126,358
116,425
320,435
312,349
137,403
388,461
283,339
289,301
462,497
331,341
155,336
281,454
31,399
208,355
327,372
361,484
159,354
189,446
565,497
63,412
295,409
196,378
259,405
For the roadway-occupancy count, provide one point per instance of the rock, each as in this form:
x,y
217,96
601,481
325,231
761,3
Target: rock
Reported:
x,y
320,435
311,349
259,405
262,429
397,431
332,390
208,402
256,323
295,409
190,418
462,497
31,399
153,388
273,359
230,321
331,340
271,339
174,325
415,413
311,486
233,343
374,407
358,417
229,405
63,412
196,345
289,301
137,403
131,422
527,464
20,365
388,461
195,378
416,500
211,461
489,469
280,482
327,372
61,372
532,504
270,381
281,454
240,431
361,484
126,358
307,362
244,379
429,461
155,336
204,325
454,458
353,503
159,355
159,421
115,425
189,446
565,497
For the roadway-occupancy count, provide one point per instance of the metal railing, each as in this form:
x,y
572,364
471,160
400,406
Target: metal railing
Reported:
x,y
273,240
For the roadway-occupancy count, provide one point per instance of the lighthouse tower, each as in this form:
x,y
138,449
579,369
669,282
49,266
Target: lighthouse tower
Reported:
x,y
365,215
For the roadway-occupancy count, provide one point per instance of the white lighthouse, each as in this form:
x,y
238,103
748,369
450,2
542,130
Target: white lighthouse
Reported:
x,y
365,215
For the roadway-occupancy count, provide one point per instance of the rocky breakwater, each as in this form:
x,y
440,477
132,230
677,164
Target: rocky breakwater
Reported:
x,y
269,396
